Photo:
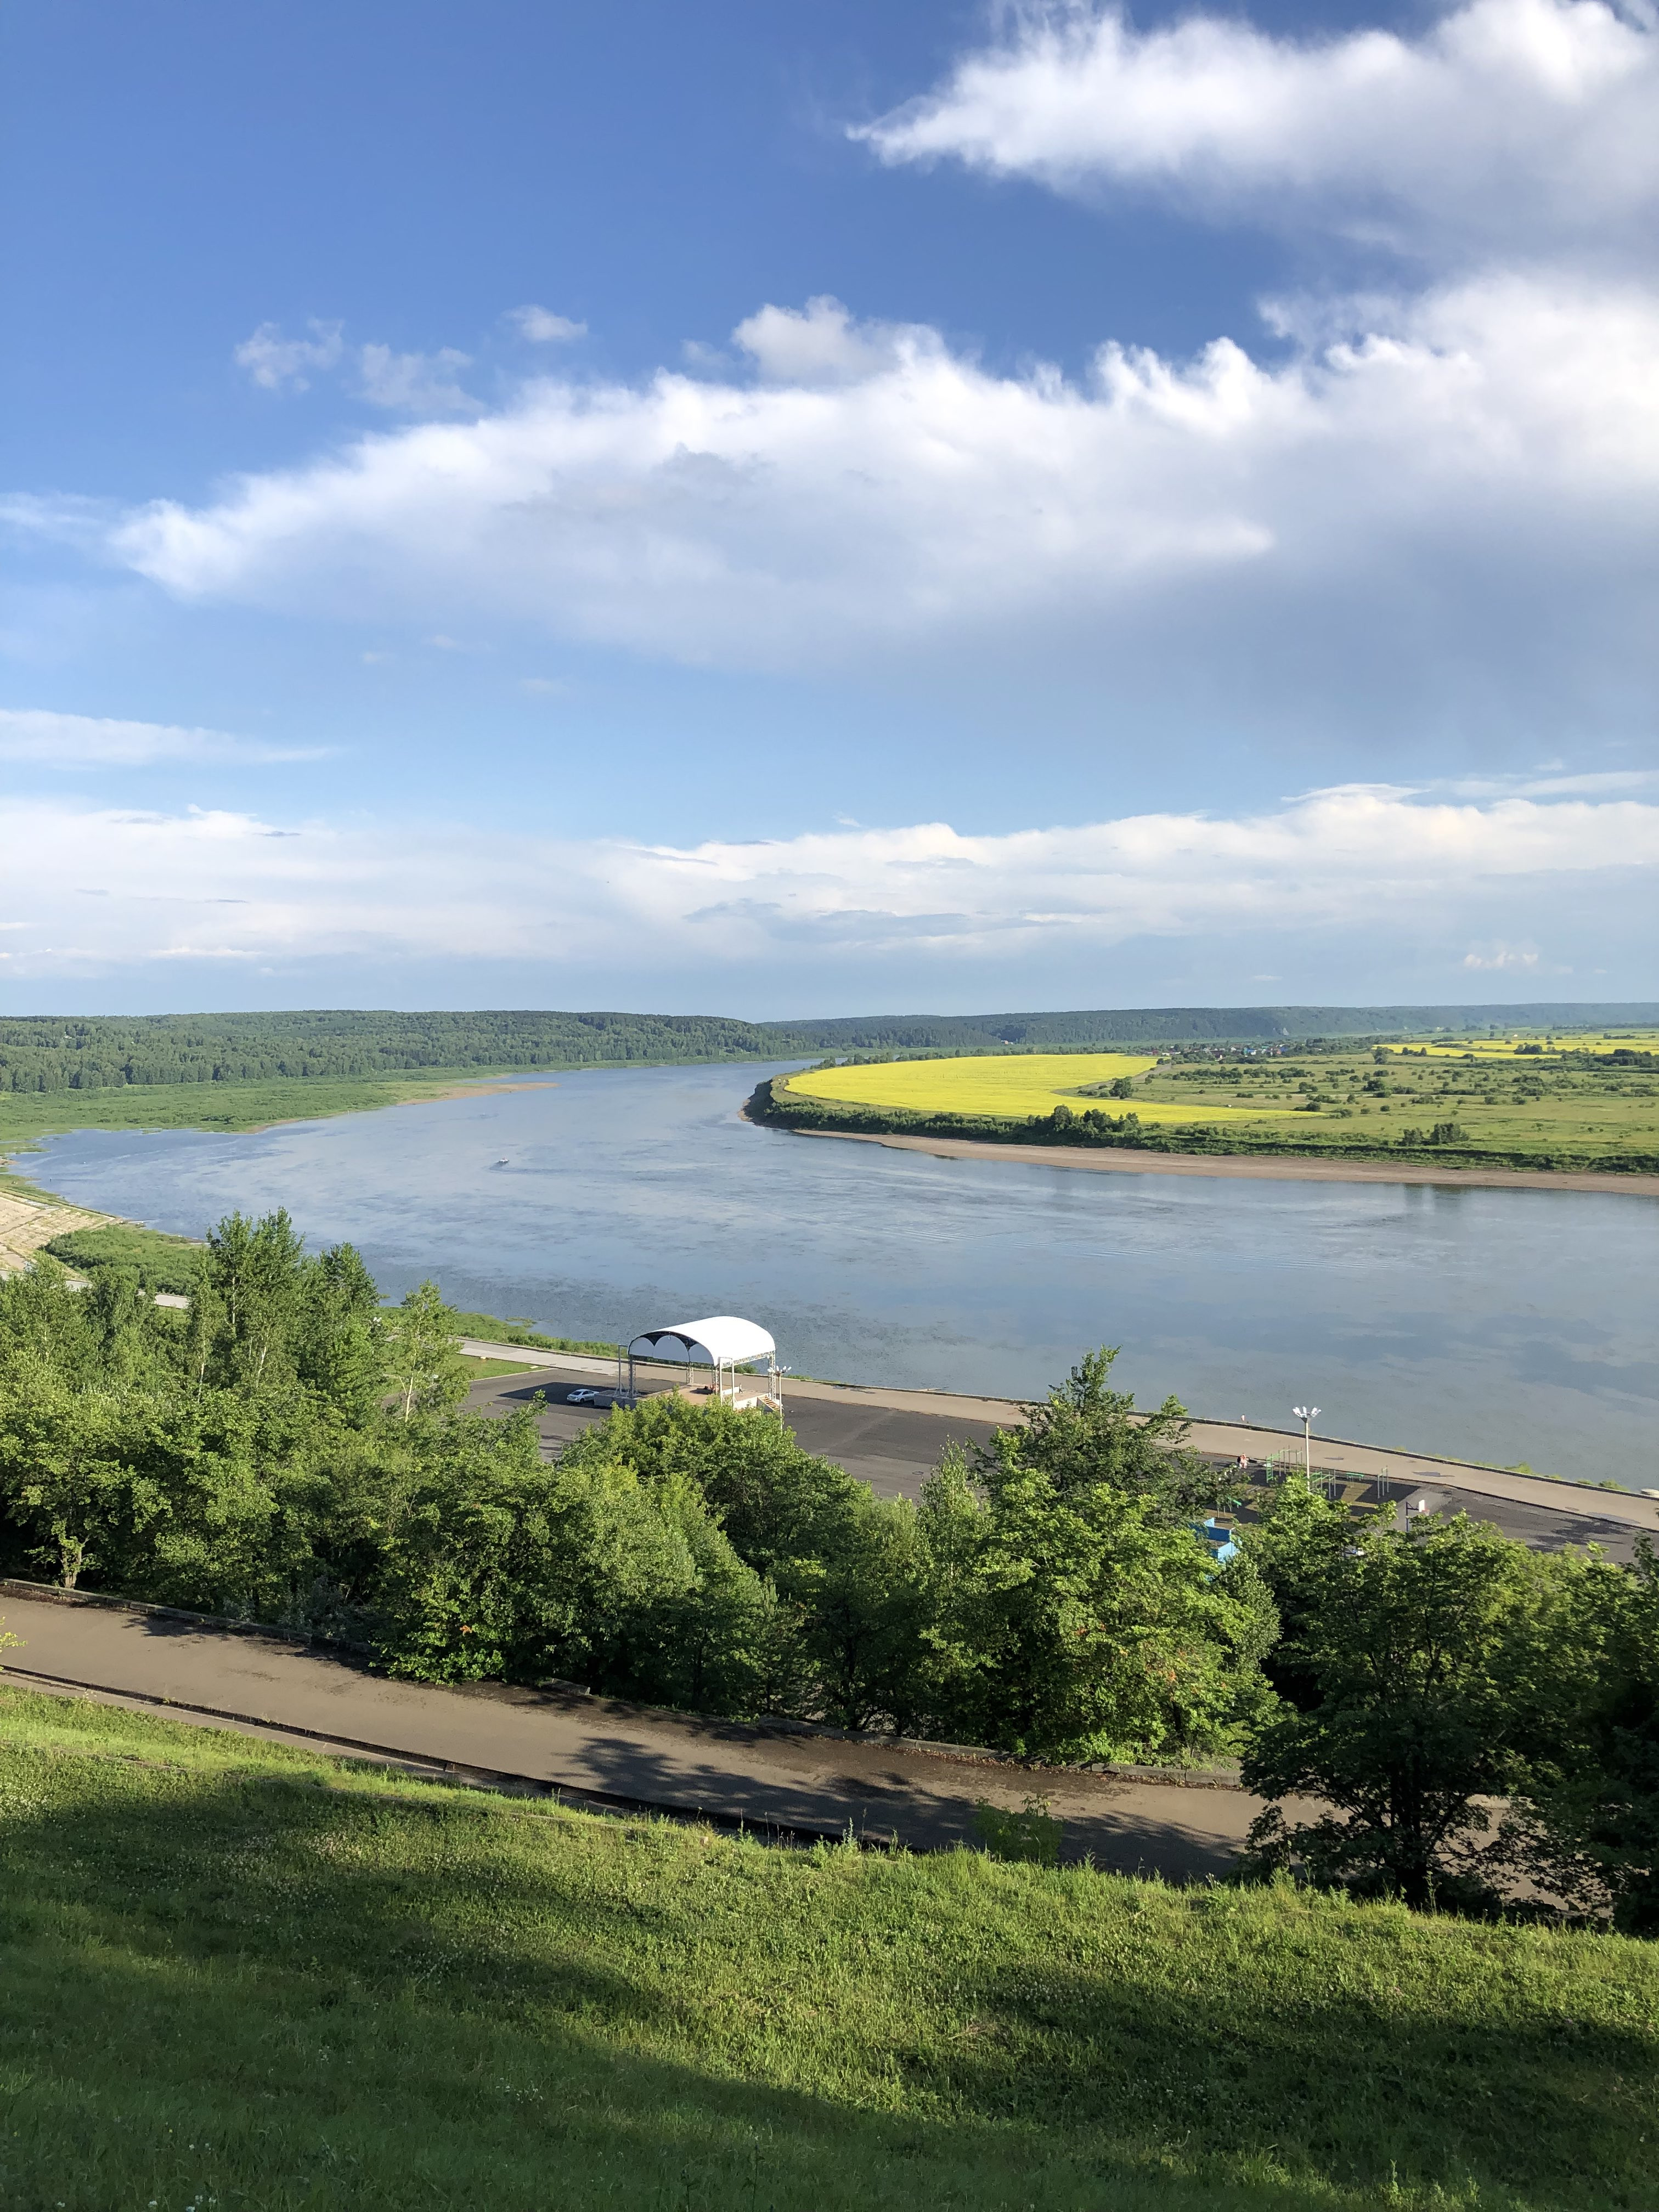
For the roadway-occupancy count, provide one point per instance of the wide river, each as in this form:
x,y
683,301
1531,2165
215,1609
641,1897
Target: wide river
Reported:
x,y
1500,1325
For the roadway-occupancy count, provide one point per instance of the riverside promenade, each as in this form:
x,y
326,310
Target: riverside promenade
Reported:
x,y
892,1439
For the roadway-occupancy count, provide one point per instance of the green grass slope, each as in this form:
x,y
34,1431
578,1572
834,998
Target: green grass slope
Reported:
x,y
241,1976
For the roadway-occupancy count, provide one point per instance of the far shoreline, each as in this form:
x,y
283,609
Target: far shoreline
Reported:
x,y
1249,1166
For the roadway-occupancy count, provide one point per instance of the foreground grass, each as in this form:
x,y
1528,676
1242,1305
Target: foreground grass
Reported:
x,y
245,1977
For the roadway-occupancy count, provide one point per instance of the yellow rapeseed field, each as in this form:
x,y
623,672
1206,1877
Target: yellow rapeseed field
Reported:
x,y
1508,1047
1014,1085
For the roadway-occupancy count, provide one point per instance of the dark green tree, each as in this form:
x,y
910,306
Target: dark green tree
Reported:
x,y
254,1276
1416,1658
1592,1788
1091,1624
1086,1433
339,1342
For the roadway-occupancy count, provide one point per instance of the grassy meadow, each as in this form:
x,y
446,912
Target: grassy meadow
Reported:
x,y
244,1976
1501,1099
231,1108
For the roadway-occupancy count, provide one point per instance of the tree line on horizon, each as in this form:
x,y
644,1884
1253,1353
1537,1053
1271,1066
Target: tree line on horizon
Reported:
x,y
290,1451
51,1053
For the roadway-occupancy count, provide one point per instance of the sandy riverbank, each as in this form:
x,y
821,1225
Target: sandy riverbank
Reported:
x,y
1254,1165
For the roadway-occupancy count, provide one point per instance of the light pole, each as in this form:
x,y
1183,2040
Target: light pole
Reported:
x,y
1307,1415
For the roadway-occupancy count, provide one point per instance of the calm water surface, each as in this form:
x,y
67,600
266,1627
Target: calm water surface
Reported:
x,y
1498,1325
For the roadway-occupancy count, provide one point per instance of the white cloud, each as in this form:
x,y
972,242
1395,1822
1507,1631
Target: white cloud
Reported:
x,y
820,345
414,383
1503,958
543,327
926,900
84,741
1505,122
403,383
1463,487
277,364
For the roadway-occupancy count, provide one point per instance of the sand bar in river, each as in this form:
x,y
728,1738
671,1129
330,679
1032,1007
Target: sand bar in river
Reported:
x,y
1115,1160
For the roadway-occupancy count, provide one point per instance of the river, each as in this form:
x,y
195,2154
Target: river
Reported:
x,y
1498,1325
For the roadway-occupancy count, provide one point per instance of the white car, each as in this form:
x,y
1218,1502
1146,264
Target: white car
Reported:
x,y
584,1396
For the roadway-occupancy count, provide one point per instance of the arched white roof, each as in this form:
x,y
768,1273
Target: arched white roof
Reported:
x,y
720,1340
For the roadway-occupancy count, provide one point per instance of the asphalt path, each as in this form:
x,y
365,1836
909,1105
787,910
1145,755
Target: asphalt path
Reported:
x,y
893,1439
600,1752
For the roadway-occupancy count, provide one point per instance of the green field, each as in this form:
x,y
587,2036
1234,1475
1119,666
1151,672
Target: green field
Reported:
x,y
241,1976
1567,1100
27,1115
1575,1102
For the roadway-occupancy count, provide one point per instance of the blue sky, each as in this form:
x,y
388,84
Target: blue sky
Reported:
x,y
827,508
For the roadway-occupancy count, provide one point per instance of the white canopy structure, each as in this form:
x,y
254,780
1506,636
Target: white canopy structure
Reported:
x,y
721,1342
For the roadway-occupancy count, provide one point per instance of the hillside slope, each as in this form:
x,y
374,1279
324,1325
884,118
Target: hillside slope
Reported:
x,y
244,1976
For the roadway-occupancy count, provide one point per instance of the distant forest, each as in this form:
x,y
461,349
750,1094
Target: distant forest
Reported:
x,y
51,1053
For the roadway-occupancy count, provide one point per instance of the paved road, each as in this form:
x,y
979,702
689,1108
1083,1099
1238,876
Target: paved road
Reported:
x,y
892,1439
597,1748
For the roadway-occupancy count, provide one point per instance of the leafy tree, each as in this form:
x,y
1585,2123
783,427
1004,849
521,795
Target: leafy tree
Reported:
x,y
422,1361
1087,1433
863,1602
340,1345
722,1642
501,1567
829,1562
213,1536
1415,1653
68,1491
133,1352
43,1323
255,1279
776,1502
1296,1547
1592,1788
1090,1623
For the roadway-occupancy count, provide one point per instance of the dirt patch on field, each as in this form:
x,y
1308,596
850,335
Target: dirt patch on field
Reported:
x,y
26,1224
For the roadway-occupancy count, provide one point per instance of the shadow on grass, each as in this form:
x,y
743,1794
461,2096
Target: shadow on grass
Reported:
x,y
389,2000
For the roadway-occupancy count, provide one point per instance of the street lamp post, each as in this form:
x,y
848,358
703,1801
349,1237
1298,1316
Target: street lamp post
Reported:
x,y
1307,1415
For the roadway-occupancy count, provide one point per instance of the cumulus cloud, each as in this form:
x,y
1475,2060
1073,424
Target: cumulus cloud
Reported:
x,y
1504,122
926,899
822,345
280,364
1466,480
403,383
414,383
543,327
85,741
1503,958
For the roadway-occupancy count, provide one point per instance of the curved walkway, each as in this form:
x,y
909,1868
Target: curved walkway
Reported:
x,y
600,1752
